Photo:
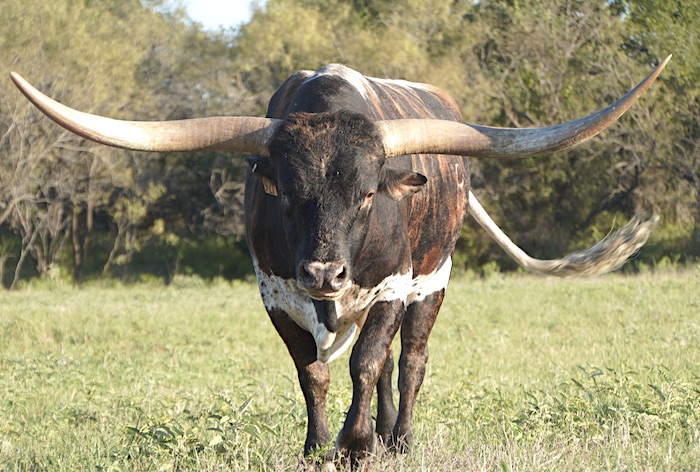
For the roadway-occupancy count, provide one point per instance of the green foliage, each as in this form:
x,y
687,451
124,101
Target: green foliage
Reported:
x,y
655,29
122,60
227,432
600,403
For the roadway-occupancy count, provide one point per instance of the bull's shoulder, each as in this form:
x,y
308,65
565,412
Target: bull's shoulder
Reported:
x,y
284,95
405,99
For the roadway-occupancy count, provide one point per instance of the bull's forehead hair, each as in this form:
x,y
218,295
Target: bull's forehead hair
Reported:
x,y
313,149
321,138
307,131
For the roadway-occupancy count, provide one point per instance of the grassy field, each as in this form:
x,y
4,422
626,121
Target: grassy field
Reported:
x,y
525,374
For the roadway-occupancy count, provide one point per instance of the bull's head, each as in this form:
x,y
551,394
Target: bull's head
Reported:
x,y
326,170
299,160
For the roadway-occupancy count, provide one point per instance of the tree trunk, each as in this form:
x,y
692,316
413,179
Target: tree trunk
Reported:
x,y
80,241
23,255
696,226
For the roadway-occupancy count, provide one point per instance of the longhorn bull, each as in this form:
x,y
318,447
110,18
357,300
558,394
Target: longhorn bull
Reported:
x,y
354,201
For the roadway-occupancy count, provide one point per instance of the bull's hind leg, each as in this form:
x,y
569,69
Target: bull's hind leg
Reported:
x,y
314,378
415,330
386,411
367,361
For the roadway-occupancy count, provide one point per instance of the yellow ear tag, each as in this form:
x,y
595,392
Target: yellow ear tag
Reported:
x,y
269,186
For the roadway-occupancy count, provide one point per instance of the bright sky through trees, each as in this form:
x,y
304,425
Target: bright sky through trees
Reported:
x,y
215,13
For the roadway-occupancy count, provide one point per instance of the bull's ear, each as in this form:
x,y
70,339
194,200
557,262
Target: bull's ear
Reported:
x,y
263,169
399,184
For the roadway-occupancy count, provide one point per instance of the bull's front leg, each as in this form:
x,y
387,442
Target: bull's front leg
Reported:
x,y
366,366
314,378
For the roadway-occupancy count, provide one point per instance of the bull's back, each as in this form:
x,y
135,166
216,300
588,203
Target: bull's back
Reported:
x,y
436,213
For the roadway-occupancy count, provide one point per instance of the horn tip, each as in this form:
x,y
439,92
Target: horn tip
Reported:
x,y
19,81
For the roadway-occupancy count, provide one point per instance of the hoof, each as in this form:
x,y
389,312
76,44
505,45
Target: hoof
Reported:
x,y
401,444
328,466
356,454
356,446
385,427
319,459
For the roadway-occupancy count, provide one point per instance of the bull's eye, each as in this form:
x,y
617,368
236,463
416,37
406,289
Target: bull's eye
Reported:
x,y
285,201
368,200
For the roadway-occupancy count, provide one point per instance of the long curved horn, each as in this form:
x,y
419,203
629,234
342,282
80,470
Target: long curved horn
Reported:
x,y
449,137
234,133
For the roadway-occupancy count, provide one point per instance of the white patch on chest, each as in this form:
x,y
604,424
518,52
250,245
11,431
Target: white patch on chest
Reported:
x,y
351,308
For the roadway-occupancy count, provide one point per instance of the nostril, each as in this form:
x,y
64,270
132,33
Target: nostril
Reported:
x,y
327,276
341,276
309,274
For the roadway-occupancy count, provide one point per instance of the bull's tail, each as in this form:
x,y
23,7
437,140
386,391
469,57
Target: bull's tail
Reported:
x,y
605,256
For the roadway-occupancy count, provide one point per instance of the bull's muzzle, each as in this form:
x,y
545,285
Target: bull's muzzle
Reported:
x,y
323,280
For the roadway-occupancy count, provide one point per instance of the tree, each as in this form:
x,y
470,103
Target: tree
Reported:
x,y
655,29
506,62
550,62
119,59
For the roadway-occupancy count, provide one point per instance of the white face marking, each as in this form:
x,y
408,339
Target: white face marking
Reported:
x,y
351,307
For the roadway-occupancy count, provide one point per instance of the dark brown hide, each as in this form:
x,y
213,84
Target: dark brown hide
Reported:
x,y
324,162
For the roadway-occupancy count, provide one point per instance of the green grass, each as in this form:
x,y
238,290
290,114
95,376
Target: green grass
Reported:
x,y
525,374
